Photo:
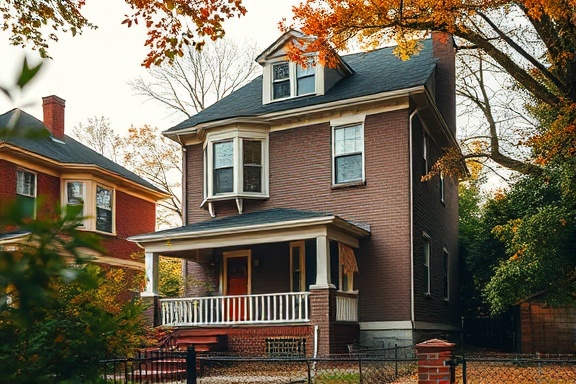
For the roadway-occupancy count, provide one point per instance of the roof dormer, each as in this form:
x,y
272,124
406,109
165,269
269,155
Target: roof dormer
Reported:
x,y
284,79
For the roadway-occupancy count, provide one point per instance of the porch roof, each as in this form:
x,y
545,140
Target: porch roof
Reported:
x,y
266,226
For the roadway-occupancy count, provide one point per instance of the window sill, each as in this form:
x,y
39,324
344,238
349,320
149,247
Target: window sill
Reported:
x,y
272,101
232,196
109,234
352,184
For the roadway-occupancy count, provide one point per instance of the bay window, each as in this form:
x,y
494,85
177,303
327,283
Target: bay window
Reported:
x,y
97,203
236,165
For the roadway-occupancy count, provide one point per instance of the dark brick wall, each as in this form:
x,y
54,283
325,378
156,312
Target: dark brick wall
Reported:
x,y
133,216
300,178
440,222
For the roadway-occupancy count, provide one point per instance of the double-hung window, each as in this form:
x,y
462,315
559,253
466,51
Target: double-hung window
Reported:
x,y
348,154
426,252
236,165
223,167
290,79
26,192
76,196
104,213
97,202
446,274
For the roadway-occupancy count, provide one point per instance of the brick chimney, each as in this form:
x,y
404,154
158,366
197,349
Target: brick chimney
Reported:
x,y
444,49
54,115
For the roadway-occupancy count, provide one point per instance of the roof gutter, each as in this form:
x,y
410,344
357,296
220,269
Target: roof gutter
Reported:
x,y
339,222
84,167
317,108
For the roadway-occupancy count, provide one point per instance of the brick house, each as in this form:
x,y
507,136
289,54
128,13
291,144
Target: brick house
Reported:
x,y
41,167
306,220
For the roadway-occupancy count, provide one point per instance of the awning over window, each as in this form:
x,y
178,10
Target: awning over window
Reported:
x,y
347,258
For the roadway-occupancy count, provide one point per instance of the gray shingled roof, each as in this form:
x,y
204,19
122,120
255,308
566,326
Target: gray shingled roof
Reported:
x,y
31,134
270,216
375,72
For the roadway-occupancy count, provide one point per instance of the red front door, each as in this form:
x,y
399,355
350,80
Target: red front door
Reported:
x,y
236,284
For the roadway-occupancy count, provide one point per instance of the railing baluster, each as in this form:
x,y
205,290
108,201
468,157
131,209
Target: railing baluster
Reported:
x,y
247,309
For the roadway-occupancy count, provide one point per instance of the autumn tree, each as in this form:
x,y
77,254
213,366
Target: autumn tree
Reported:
x,y
532,42
172,24
198,78
97,134
144,151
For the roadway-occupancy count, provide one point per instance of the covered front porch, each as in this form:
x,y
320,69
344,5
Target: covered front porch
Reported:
x,y
276,268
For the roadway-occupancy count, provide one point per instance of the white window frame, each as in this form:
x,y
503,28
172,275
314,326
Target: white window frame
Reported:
x,y
31,194
112,208
425,152
335,156
426,257
84,199
237,137
268,80
442,188
301,266
22,171
89,209
446,274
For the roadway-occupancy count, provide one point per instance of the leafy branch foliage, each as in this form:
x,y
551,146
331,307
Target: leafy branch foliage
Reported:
x,y
172,24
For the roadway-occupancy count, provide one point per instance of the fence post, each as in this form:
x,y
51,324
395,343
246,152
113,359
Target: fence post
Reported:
x,y
191,365
434,362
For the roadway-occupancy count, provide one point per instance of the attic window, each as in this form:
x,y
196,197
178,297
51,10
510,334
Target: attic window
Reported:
x,y
290,80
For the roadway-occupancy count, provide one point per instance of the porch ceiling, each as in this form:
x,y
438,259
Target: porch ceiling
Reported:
x,y
268,226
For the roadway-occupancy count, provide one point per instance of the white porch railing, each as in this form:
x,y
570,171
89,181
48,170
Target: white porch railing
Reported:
x,y
346,307
244,309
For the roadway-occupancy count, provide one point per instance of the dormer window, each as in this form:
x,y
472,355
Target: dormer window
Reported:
x,y
281,86
290,80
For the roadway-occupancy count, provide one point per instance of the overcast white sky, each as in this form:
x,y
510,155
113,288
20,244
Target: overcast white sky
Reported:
x,y
91,71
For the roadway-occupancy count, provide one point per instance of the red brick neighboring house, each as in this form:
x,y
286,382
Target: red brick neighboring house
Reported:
x,y
308,227
56,169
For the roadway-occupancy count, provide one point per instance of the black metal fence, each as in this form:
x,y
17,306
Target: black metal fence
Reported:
x,y
361,366
525,369
151,366
340,369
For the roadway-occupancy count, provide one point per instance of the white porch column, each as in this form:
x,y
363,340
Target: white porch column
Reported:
x,y
322,264
151,267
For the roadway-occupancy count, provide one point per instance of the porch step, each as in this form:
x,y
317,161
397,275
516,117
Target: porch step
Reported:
x,y
203,340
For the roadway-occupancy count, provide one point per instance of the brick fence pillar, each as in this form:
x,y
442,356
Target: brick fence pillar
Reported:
x,y
433,356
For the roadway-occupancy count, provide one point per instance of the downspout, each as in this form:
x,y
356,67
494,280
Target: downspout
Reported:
x,y
411,195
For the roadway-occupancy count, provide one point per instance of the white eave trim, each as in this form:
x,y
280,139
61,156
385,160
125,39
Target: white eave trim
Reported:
x,y
285,225
270,117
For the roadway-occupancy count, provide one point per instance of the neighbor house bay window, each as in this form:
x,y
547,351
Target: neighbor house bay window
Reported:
x,y
97,202
103,209
348,154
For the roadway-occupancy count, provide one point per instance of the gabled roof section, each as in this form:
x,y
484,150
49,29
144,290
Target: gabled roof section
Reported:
x,y
375,72
29,133
277,49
